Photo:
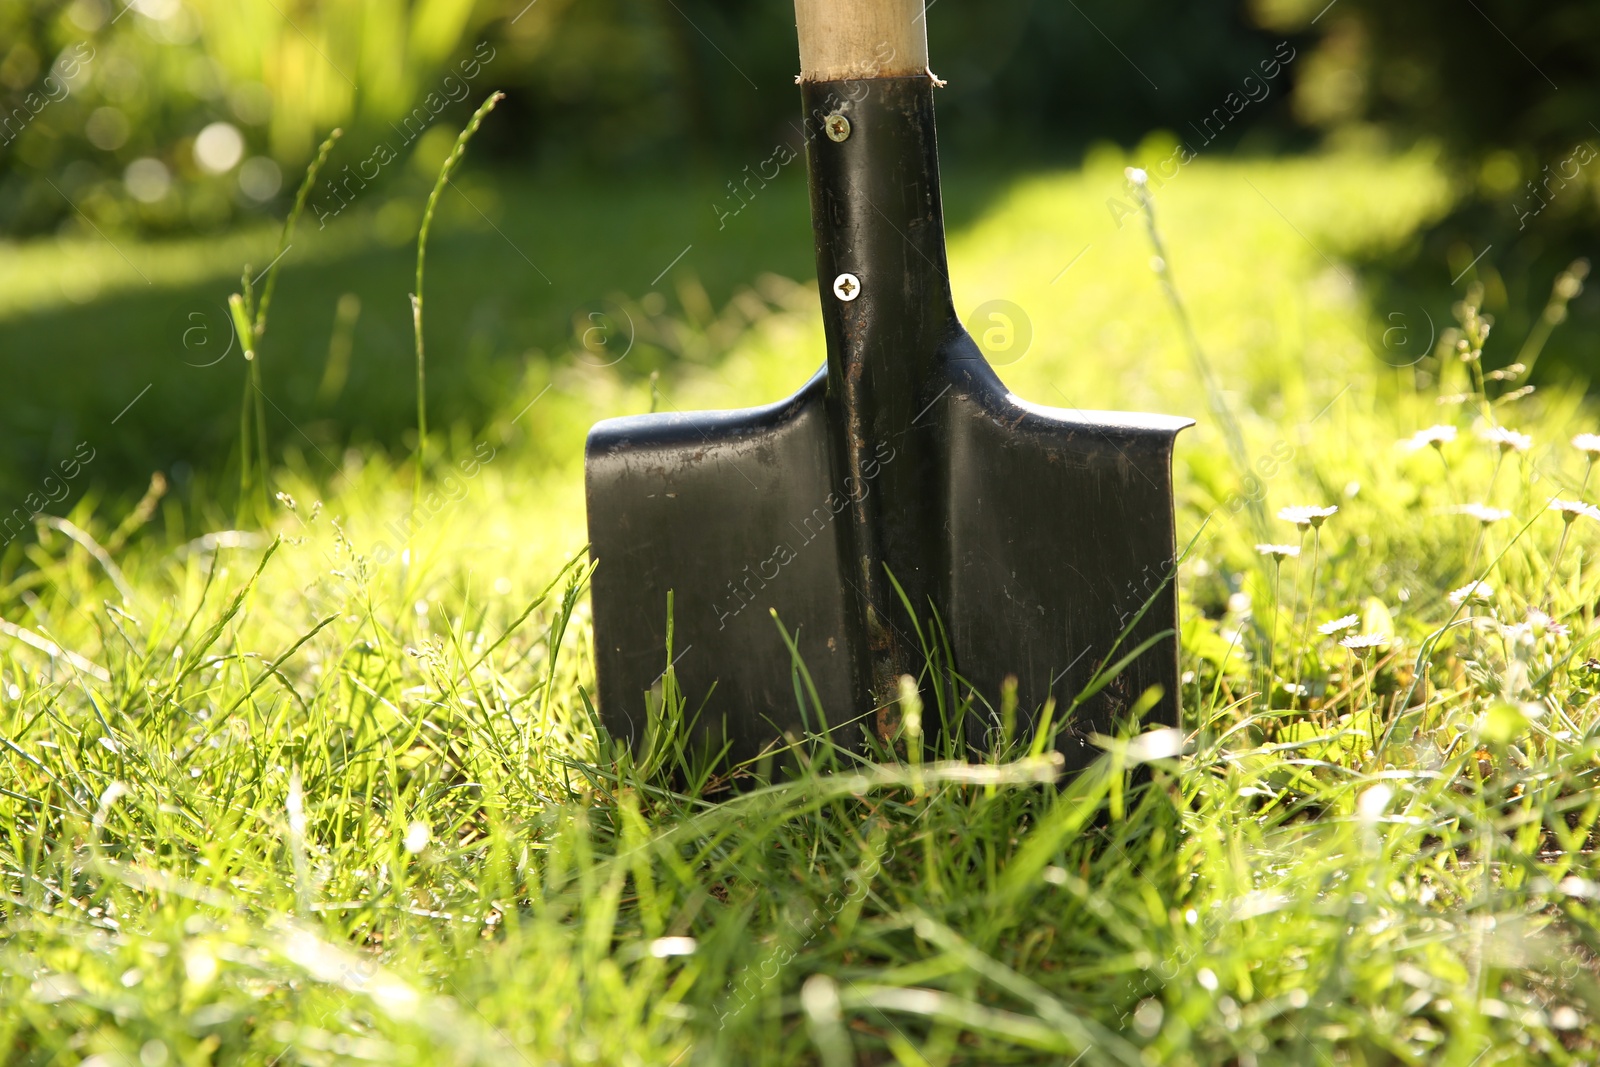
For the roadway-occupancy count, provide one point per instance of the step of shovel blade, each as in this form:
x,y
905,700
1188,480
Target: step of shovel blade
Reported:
x,y
1061,548
732,512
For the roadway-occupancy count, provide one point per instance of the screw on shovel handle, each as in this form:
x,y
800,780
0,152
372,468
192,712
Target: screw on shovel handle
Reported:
x,y
844,40
902,513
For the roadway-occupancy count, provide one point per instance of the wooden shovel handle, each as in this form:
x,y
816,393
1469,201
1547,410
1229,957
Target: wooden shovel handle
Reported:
x,y
848,39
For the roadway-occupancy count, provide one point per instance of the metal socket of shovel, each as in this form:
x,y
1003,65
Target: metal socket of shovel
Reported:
x,y
1031,542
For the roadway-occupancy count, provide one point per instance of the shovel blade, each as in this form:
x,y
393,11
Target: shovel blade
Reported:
x,y
732,513
1061,549
1058,535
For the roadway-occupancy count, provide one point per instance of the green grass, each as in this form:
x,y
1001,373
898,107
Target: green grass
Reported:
x,y
322,793
517,262
495,323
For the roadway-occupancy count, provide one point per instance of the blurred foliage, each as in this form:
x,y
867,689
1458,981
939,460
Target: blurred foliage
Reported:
x,y
1035,79
1488,77
645,83
181,114
1511,91
187,113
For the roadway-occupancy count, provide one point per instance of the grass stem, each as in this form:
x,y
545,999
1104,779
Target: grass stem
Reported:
x,y
449,166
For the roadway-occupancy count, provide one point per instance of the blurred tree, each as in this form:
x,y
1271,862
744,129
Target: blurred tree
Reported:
x,y
1482,77
1511,92
616,83
1032,78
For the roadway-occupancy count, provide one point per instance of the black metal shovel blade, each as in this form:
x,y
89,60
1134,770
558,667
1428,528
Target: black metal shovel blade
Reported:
x,y
732,513
1059,538
1061,548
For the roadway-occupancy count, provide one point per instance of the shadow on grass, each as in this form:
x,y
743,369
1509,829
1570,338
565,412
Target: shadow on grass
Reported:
x,y
1481,242
152,379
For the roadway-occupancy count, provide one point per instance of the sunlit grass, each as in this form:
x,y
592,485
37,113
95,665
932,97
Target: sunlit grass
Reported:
x,y
328,791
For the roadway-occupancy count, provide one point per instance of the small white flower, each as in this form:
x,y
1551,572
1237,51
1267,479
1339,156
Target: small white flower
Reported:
x,y
1542,624
1588,444
662,947
1478,592
1483,513
1432,437
1504,439
1362,642
199,965
1520,635
417,837
1136,175
1565,1017
1279,551
1304,516
1339,625
1571,509
1372,802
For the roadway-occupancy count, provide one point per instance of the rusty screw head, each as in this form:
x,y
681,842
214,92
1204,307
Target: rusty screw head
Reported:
x,y
838,127
847,287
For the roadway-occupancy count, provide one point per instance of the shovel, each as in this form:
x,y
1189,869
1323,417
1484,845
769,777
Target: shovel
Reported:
x,y
762,561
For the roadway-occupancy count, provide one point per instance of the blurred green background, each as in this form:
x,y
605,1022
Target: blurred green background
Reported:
x,y
148,150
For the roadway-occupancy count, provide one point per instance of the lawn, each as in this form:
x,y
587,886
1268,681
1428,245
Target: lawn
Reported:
x,y
323,789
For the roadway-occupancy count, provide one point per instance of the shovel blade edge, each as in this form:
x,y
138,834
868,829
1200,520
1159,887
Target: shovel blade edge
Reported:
x,y
730,511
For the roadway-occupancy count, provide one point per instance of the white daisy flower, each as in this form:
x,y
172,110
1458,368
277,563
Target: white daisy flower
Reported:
x,y
1483,513
1304,516
1432,437
1362,642
1338,625
1542,624
1571,509
1478,592
1504,439
1279,551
